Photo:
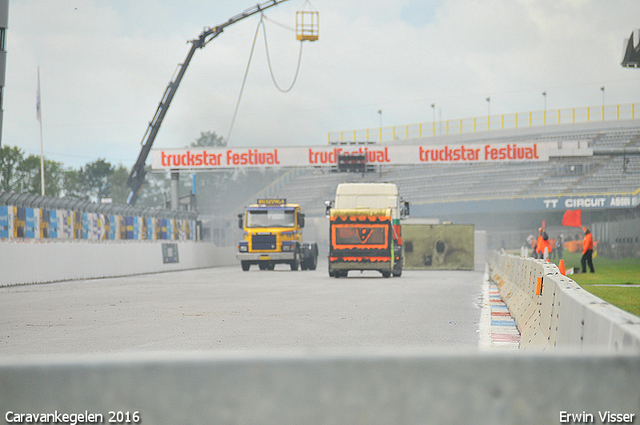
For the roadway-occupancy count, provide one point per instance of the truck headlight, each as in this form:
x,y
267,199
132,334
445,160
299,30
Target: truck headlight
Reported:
x,y
287,247
243,248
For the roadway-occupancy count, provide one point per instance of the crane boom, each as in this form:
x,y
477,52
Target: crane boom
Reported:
x,y
137,176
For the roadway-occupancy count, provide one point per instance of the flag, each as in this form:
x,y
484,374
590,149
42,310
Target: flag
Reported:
x,y
572,218
38,98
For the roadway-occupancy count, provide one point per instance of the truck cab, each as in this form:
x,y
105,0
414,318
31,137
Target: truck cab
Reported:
x,y
273,235
364,229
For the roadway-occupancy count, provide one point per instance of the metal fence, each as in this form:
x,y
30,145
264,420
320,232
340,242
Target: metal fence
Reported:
x,y
488,123
33,217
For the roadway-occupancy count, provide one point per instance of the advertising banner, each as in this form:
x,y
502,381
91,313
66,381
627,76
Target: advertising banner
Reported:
x,y
151,224
30,223
53,224
219,158
560,203
113,227
65,225
6,229
42,223
438,247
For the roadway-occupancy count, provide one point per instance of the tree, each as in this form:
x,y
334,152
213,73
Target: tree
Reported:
x,y
10,159
90,183
53,177
72,185
20,174
95,179
208,139
29,173
118,184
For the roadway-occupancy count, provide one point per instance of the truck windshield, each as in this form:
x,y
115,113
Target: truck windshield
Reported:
x,y
271,218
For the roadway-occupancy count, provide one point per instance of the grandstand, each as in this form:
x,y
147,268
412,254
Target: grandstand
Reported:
x,y
488,195
435,184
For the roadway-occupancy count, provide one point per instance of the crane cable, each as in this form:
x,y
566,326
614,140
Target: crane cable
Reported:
x,y
246,72
266,46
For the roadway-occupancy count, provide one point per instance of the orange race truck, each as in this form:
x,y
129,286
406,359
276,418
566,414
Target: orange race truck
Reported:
x,y
364,229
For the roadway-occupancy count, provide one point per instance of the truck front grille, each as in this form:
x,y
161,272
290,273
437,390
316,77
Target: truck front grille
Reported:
x,y
263,242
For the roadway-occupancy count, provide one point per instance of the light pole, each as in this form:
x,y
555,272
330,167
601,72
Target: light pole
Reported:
x,y
380,113
544,94
602,88
433,122
488,113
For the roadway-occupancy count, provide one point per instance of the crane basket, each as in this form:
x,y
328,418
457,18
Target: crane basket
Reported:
x,y
307,25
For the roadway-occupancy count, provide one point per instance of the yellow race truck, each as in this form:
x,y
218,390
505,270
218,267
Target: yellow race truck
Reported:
x,y
273,235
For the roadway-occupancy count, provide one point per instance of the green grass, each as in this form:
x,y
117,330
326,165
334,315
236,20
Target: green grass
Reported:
x,y
610,272
628,299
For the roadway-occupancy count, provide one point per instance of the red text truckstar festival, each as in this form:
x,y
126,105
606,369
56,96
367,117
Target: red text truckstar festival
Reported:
x,y
169,159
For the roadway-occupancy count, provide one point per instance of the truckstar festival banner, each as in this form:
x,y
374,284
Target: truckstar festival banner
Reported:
x,y
312,156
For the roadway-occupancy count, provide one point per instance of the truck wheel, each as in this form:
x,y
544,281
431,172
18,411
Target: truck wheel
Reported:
x,y
295,263
263,266
313,262
397,269
245,265
386,274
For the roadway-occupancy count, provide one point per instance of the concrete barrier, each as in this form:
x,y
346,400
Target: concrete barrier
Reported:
x,y
36,262
291,389
552,310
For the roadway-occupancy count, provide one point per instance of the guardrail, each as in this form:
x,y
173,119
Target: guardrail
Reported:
x,y
553,311
488,123
374,388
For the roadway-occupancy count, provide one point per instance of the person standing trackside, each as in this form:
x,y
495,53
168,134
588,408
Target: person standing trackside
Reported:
x,y
560,246
587,251
531,240
542,243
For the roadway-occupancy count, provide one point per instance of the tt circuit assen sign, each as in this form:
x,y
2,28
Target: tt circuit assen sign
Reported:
x,y
214,158
591,202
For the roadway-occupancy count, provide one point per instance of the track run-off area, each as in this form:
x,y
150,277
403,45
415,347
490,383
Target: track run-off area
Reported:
x,y
224,308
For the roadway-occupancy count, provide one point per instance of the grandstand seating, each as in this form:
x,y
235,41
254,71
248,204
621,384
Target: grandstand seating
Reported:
x,y
459,182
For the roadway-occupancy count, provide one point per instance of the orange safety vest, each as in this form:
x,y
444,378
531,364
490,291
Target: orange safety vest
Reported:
x,y
541,244
587,243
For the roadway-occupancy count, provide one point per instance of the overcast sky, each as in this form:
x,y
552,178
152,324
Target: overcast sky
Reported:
x,y
104,66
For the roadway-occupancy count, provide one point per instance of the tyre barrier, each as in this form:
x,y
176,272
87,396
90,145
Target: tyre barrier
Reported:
x,y
552,310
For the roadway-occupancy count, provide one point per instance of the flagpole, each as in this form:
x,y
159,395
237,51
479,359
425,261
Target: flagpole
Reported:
x,y
39,110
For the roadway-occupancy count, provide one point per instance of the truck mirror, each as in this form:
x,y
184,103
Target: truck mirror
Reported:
x,y
300,220
327,207
405,210
240,223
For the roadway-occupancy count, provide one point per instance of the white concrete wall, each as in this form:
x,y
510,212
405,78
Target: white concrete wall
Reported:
x,y
375,388
36,262
564,315
479,249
